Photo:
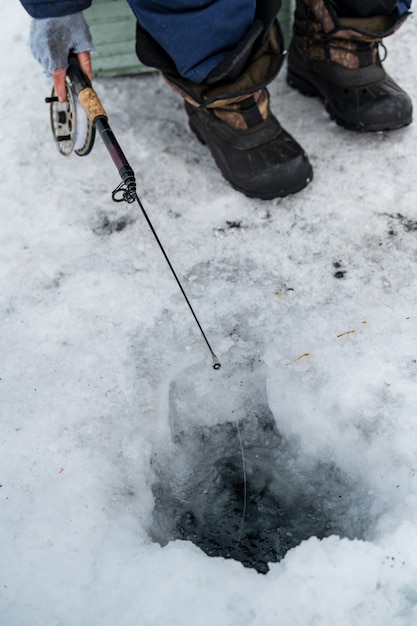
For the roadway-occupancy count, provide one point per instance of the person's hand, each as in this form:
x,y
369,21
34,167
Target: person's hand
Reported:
x,y
51,41
59,75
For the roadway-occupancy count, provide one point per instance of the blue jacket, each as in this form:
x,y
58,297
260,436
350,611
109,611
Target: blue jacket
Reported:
x,y
183,32
54,8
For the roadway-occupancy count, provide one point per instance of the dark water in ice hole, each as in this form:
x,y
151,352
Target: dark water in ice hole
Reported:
x,y
199,493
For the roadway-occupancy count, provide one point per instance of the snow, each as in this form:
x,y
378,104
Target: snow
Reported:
x,y
103,368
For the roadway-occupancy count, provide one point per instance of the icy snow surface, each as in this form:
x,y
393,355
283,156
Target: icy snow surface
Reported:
x,y
109,404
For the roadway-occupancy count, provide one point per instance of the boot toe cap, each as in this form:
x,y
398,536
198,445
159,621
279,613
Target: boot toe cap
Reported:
x,y
374,107
262,162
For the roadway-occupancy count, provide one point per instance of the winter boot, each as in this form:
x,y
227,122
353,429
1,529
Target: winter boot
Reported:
x,y
230,113
337,58
252,150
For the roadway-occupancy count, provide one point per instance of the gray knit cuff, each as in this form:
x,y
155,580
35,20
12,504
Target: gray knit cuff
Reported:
x,y
51,40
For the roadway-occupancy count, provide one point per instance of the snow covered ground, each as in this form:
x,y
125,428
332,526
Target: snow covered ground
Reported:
x,y
107,390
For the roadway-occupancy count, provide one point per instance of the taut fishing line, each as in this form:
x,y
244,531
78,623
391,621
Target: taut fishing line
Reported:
x,y
74,125
245,488
235,421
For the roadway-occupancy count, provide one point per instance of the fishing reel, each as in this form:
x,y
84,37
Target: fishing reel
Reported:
x,y
71,128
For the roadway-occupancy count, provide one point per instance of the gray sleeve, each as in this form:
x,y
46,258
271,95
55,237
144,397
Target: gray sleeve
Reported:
x,y
52,38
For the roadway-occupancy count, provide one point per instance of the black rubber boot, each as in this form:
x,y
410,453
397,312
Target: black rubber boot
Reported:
x,y
337,59
252,150
229,111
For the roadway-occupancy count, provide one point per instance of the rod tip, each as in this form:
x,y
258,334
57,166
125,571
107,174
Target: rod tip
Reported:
x,y
216,363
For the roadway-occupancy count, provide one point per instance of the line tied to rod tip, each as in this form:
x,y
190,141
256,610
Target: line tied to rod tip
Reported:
x,y
216,363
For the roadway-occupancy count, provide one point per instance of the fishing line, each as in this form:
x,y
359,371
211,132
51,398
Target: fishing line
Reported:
x,y
245,489
64,127
235,421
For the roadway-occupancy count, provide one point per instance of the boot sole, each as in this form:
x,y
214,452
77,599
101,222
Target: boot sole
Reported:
x,y
308,89
262,196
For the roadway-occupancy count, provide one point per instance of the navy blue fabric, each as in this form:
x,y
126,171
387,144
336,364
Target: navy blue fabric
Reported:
x,y
197,34
403,7
54,8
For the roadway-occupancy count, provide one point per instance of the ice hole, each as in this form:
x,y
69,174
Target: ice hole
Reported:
x,y
256,513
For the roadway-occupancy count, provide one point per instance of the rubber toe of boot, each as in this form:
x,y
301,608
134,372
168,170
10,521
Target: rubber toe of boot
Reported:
x,y
366,99
263,161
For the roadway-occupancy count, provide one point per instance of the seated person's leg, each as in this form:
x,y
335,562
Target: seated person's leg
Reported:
x,y
196,34
220,56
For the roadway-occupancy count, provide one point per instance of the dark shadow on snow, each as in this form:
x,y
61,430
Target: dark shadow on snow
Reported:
x,y
200,493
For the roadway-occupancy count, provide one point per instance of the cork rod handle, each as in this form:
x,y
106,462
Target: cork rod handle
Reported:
x,y
91,104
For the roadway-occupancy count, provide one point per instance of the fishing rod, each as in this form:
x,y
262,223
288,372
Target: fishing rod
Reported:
x,y
74,125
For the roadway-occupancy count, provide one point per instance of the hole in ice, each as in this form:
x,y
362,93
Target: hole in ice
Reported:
x,y
256,513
